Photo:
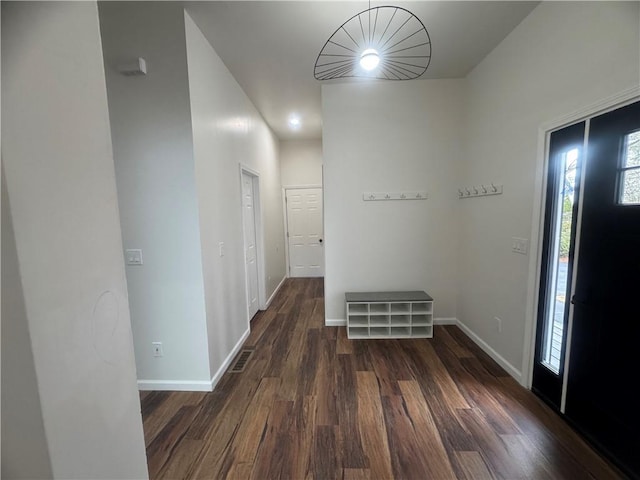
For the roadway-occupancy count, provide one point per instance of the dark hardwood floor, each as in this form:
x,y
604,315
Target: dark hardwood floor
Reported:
x,y
311,404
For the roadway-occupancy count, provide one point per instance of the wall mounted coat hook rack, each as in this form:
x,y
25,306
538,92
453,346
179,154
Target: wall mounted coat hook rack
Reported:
x,y
376,196
481,191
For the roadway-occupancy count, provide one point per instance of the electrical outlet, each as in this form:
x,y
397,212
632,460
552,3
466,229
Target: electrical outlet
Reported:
x,y
157,349
498,324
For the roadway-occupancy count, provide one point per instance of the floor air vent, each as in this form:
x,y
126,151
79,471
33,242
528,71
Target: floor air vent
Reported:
x,y
241,361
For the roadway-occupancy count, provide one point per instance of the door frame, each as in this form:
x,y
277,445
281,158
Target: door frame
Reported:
x,y
259,226
286,219
613,102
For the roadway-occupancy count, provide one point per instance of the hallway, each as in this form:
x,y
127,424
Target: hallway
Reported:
x,y
312,404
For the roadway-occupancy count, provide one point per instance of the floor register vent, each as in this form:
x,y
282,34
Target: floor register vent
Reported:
x,y
241,361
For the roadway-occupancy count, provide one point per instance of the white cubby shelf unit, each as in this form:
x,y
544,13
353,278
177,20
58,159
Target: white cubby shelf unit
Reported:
x,y
401,314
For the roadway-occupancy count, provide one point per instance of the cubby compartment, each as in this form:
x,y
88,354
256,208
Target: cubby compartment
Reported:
x,y
421,307
378,320
422,332
358,332
378,308
400,307
359,321
421,319
358,309
400,319
378,332
401,314
397,332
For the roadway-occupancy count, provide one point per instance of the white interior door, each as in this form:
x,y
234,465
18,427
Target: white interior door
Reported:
x,y
304,231
250,249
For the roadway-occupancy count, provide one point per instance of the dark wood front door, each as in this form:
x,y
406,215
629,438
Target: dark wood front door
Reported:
x,y
604,357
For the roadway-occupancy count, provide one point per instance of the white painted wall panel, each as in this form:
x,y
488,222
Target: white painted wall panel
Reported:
x,y
301,162
562,58
394,136
153,152
57,158
227,132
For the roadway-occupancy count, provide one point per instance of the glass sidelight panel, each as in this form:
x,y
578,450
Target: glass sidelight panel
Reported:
x,y
559,261
629,171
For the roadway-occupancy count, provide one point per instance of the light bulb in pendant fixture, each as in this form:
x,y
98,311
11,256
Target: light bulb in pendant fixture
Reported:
x,y
369,59
386,43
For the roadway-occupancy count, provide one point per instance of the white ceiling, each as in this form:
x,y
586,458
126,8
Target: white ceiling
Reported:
x,y
271,47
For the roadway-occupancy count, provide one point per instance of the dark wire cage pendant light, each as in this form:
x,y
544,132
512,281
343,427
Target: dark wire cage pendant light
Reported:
x,y
388,43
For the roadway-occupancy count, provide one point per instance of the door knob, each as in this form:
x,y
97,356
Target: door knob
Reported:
x,y
320,240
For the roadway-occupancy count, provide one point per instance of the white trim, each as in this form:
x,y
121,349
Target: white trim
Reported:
x,y
537,229
249,170
335,322
195,385
613,102
175,385
259,228
535,258
313,185
576,261
287,270
446,321
273,295
511,370
227,361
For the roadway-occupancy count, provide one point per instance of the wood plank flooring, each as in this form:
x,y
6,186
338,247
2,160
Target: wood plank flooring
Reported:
x,y
312,404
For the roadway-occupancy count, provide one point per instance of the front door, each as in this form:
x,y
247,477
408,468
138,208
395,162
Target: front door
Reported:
x,y
604,363
304,232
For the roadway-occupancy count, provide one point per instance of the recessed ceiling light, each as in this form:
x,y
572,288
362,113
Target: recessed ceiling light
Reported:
x,y
294,122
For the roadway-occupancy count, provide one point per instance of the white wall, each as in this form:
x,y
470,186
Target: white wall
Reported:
x,y
60,180
391,137
25,452
227,132
153,152
563,57
301,162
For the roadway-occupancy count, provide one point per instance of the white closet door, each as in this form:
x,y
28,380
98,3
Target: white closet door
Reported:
x,y
250,250
304,227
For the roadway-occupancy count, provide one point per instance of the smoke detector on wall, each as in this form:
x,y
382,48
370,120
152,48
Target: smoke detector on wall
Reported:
x,y
136,67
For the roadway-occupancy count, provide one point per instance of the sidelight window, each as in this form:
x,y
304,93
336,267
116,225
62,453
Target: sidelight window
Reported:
x,y
629,171
558,285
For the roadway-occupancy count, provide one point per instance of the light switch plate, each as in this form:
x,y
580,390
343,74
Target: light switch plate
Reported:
x,y
133,256
519,245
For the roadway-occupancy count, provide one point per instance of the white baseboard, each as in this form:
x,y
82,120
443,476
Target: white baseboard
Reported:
x,y
275,292
175,385
195,385
227,361
335,322
511,370
446,321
